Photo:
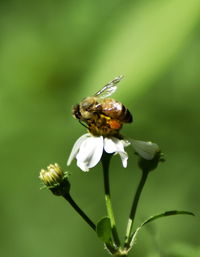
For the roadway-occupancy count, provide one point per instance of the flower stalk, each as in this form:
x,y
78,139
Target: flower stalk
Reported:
x,y
79,211
134,208
105,163
58,183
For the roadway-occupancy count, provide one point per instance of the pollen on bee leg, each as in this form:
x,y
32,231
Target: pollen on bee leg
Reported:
x,y
114,124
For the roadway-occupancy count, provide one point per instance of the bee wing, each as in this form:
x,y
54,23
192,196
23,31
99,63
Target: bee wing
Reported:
x,y
109,88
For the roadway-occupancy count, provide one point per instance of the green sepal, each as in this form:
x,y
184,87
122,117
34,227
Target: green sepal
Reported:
x,y
104,230
149,165
154,217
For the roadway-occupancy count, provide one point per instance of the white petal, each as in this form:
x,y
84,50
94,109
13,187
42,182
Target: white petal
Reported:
x,y
90,152
125,142
146,150
124,158
76,147
110,144
115,145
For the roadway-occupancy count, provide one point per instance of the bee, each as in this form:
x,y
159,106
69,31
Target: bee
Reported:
x,y
102,115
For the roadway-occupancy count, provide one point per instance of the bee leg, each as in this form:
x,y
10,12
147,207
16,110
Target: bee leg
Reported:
x,y
83,124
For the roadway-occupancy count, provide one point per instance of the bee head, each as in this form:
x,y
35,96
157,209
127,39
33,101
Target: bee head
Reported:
x,y
76,112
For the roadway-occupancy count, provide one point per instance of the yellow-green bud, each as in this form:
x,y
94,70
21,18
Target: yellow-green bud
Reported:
x,y
55,179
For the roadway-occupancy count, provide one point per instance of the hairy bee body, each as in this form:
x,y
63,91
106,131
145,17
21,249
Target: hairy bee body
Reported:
x,y
92,106
102,116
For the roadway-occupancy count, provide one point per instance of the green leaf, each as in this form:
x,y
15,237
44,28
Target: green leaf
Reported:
x,y
165,214
154,217
104,230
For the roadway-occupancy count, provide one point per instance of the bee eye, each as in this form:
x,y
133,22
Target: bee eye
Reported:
x,y
76,111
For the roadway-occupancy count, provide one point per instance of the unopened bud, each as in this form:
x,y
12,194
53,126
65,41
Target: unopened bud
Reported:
x,y
146,150
149,165
149,153
55,179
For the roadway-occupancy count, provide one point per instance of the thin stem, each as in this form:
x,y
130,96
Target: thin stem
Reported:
x,y
134,207
79,211
105,163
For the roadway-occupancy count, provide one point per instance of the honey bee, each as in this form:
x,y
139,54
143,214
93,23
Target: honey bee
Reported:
x,y
102,115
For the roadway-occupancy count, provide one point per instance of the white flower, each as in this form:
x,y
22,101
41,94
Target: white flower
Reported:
x,y
88,150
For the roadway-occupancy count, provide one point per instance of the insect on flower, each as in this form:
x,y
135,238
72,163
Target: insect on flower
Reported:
x,y
102,115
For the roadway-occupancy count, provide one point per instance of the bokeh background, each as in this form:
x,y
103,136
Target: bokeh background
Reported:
x,y
54,53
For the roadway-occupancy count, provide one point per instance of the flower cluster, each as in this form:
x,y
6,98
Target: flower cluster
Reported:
x,y
104,119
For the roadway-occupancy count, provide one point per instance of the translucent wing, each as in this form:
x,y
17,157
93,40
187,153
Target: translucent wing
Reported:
x,y
109,88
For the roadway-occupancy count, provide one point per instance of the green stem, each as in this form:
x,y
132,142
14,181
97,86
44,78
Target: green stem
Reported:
x,y
79,211
134,208
105,163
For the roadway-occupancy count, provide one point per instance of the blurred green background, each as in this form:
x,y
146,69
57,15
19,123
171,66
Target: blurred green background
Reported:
x,y
54,53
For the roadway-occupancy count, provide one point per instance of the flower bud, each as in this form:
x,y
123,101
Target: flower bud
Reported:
x,y
149,165
55,179
149,153
146,150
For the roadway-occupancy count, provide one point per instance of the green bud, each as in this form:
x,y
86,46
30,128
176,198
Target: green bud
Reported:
x,y
55,179
149,165
149,154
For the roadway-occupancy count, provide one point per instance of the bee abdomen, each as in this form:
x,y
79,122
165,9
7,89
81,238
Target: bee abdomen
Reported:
x,y
126,116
